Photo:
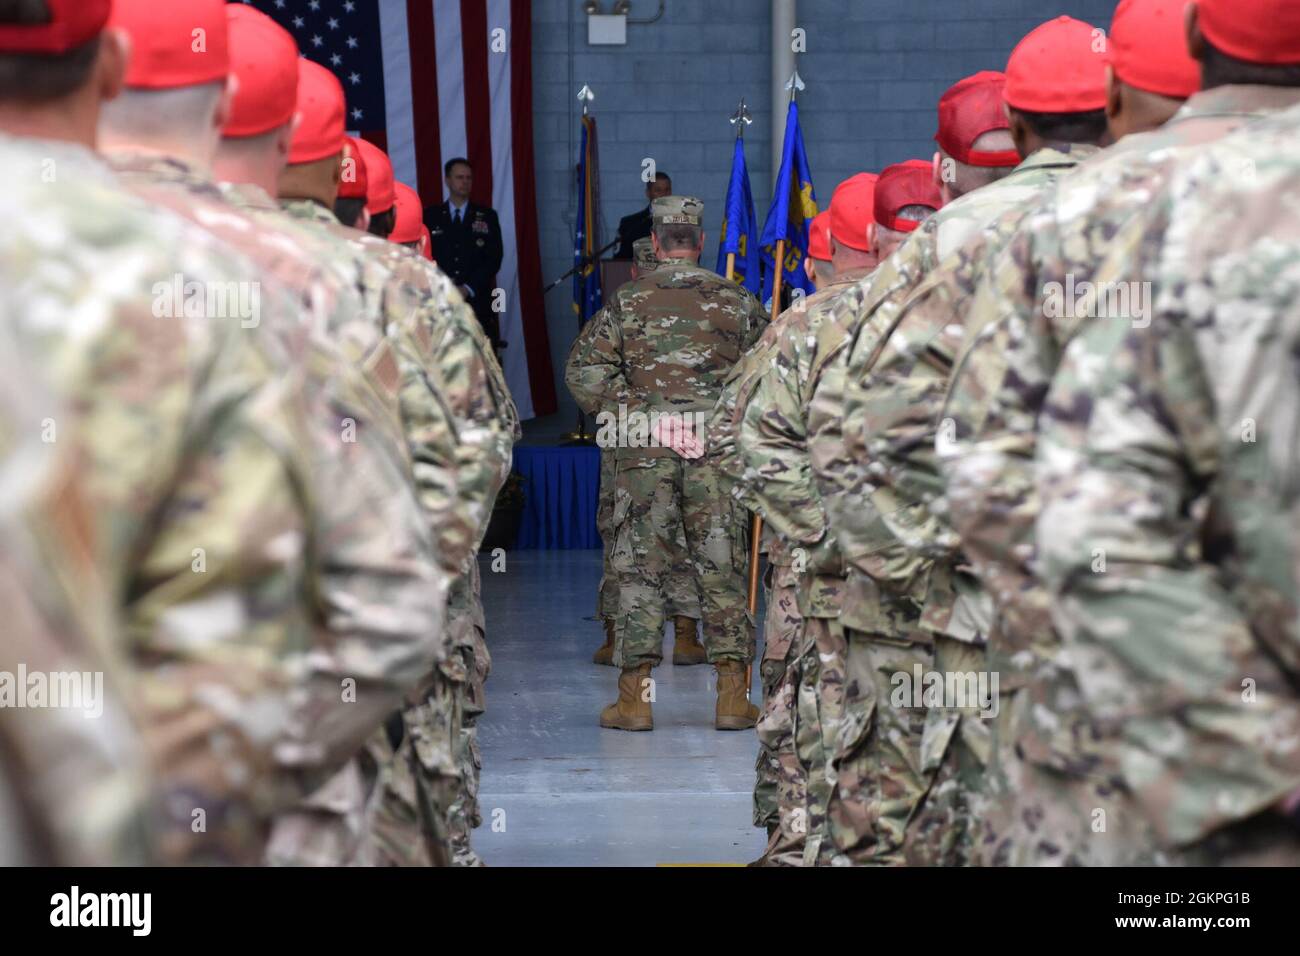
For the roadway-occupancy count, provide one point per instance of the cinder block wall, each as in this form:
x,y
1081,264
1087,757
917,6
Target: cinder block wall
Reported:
x,y
874,71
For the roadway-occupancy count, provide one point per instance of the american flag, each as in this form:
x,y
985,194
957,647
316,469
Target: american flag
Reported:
x,y
428,80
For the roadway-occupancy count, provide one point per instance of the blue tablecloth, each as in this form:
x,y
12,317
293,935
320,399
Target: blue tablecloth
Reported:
x,y
561,485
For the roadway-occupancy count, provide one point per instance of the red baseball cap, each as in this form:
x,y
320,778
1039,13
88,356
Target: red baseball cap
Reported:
x,y
428,242
380,192
264,58
321,102
354,182
1148,48
1257,31
819,237
410,215
853,209
899,186
969,109
1060,67
174,43
71,24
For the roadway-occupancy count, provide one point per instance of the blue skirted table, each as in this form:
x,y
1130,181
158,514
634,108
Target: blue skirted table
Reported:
x,y
561,484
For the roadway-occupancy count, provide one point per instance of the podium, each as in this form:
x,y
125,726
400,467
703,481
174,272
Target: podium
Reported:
x,y
614,273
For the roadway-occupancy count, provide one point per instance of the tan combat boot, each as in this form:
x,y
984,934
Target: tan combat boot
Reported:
x,y
632,709
606,653
735,712
687,649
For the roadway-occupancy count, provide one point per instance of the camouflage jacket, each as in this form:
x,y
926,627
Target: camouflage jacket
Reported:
x,y
1169,517
723,424
74,780
670,340
351,465
190,434
579,355
1029,302
471,378
772,439
399,312
897,372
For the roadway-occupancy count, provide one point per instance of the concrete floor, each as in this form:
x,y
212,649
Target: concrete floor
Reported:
x,y
557,790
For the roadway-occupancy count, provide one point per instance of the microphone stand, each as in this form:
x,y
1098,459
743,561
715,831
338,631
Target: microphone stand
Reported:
x,y
585,262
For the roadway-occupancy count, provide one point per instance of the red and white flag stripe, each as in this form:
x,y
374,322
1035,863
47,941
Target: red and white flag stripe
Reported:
x,y
454,86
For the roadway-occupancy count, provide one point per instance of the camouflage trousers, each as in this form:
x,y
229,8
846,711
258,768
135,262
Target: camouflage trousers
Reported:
x,y
327,828
1053,795
407,826
955,755
354,819
439,799
681,599
467,626
779,787
819,713
877,761
654,496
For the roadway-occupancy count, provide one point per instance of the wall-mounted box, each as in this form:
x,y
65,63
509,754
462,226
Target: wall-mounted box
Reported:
x,y
607,29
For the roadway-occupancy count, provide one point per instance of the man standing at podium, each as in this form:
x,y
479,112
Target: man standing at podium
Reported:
x,y
637,226
467,245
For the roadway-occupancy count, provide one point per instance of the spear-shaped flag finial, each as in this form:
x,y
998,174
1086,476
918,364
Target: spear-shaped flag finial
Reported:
x,y
741,118
795,86
585,96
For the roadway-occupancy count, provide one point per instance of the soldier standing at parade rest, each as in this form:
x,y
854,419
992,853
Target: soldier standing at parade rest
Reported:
x,y
467,245
670,340
682,601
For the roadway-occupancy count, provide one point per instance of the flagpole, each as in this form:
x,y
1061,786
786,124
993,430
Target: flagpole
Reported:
x,y
756,533
580,435
794,86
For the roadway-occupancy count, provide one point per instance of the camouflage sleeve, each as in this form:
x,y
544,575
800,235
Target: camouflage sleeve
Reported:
x,y
1127,446
721,436
881,530
771,442
60,621
600,380
579,355
431,428
988,428
490,422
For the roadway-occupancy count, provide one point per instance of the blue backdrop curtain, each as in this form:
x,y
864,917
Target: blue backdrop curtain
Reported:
x,y
561,485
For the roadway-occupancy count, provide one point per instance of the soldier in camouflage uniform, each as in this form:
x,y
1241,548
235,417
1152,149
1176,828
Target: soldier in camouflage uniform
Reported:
x,y
780,781
186,430
682,601
73,791
1168,519
331,306
661,358
1049,777
488,424
888,530
460,423
780,785
776,482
